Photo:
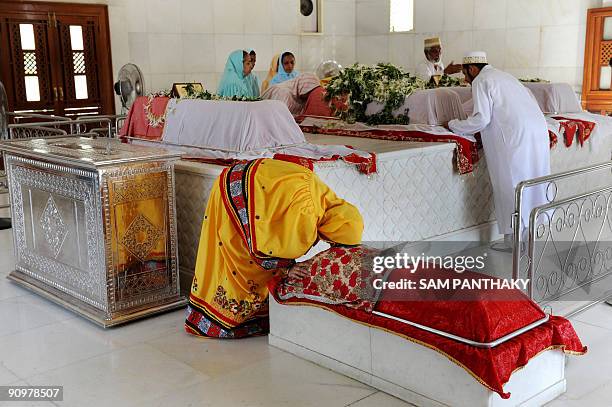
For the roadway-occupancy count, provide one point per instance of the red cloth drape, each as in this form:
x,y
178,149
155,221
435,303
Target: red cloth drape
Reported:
x,y
137,124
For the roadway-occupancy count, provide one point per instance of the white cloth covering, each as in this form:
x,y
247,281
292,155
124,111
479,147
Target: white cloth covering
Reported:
x,y
431,106
514,136
465,95
240,130
426,69
555,97
231,126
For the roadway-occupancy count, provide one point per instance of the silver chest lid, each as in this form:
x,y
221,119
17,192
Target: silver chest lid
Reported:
x,y
85,152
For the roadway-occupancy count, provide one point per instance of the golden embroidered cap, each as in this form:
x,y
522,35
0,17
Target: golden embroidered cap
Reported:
x,y
475,57
432,42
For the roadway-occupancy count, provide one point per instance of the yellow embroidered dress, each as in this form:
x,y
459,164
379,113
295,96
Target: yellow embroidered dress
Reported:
x,y
260,216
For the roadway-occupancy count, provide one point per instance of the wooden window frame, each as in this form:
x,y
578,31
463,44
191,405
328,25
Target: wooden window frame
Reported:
x,y
67,9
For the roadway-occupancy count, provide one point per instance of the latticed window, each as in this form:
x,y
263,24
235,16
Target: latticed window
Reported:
x,y
30,70
54,57
78,61
401,15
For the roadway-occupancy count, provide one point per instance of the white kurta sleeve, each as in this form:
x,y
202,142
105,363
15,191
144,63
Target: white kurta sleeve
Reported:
x,y
423,71
481,116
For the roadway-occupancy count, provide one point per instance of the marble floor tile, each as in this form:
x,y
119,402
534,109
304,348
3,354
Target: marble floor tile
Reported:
x,y
599,315
212,357
7,376
9,289
379,399
120,378
142,330
52,346
589,372
27,312
282,380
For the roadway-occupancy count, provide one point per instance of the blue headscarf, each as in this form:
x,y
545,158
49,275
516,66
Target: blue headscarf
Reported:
x,y
252,79
233,82
281,75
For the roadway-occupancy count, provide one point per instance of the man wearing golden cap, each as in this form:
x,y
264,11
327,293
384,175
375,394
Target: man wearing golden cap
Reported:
x,y
432,65
514,136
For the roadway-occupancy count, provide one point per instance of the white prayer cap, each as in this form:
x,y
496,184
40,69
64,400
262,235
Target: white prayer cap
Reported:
x,y
475,57
432,42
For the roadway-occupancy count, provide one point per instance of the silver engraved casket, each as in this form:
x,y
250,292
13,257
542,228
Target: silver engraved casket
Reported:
x,y
94,225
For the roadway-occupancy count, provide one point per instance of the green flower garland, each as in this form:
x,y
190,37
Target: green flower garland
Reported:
x,y
362,84
157,120
533,80
384,83
446,81
206,95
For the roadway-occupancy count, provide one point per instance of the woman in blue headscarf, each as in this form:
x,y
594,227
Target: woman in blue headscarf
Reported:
x,y
252,79
286,71
234,81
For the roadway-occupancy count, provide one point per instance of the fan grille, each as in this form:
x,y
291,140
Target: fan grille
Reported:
x,y
131,84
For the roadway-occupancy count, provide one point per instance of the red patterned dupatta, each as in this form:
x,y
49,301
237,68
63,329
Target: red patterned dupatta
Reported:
x,y
236,183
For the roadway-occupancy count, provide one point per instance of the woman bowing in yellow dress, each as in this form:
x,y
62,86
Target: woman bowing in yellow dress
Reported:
x,y
261,215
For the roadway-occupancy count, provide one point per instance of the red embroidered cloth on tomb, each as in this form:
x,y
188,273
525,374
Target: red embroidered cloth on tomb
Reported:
x,y
466,150
572,128
483,317
365,165
138,125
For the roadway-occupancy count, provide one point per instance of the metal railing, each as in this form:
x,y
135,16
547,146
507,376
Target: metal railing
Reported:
x,y
565,247
36,125
101,125
19,131
111,122
19,116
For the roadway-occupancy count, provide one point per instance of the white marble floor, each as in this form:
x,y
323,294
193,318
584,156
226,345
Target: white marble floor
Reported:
x,y
154,363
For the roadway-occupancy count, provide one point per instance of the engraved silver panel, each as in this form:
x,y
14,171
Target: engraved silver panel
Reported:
x,y
53,226
100,240
46,200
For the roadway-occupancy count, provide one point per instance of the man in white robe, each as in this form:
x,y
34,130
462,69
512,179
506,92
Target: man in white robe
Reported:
x,y
514,137
432,65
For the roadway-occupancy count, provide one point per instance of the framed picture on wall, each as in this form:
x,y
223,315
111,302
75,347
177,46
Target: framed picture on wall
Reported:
x,y
310,16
